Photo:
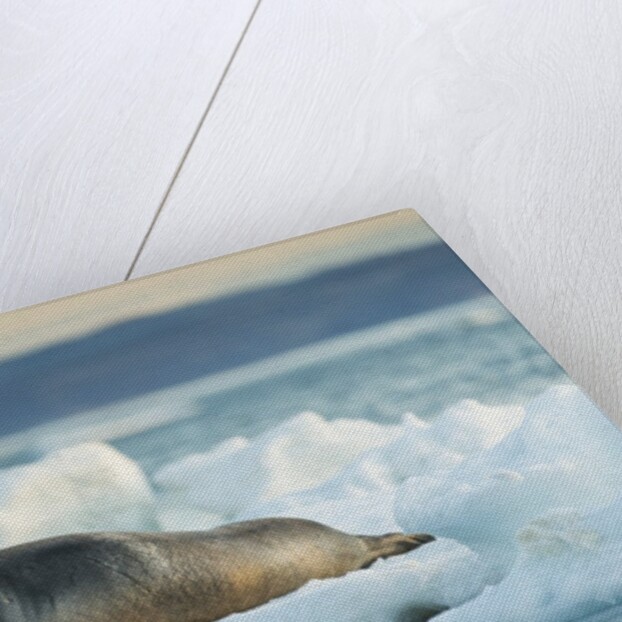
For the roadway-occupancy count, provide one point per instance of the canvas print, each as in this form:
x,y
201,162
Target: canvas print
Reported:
x,y
343,427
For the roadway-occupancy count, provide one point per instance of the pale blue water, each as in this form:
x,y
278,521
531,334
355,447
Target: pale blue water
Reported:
x,y
412,331
423,364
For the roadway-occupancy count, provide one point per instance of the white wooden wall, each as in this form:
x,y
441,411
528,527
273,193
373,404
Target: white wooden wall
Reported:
x,y
135,137
99,101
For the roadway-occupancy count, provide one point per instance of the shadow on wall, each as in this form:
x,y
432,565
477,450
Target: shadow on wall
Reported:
x,y
156,351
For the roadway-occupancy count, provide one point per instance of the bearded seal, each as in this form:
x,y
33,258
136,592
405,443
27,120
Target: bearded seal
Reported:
x,y
179,577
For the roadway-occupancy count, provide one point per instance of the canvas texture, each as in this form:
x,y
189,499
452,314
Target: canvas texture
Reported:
x,y
214,425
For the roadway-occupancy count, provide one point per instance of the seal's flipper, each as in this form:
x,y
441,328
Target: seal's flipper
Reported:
x,y
391,544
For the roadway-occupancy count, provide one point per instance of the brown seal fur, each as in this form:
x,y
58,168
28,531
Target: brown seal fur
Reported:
x,y
179,577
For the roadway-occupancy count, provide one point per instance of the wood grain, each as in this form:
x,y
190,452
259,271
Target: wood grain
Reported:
x,y
499,121
98,102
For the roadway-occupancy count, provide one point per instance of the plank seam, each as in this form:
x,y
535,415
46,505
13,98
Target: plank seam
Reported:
x,y
184,157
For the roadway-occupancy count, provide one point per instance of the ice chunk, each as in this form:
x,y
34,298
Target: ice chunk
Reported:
x,y
362,491
565,454
299,454
174,514
87,487
568,569
466,428
418,447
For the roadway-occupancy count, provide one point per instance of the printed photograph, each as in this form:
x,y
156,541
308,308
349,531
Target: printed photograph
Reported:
x,y
344,427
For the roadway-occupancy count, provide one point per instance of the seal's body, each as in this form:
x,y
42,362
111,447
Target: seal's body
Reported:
x,y
179,577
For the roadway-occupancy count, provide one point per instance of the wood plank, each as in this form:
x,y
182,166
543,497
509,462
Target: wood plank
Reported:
x,y
498,121
98,102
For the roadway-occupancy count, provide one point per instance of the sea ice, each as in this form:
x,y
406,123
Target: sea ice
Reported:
x,y
88,487
359,499
531,492
446,440
565,454
299,454
568,569
418,446
526,503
